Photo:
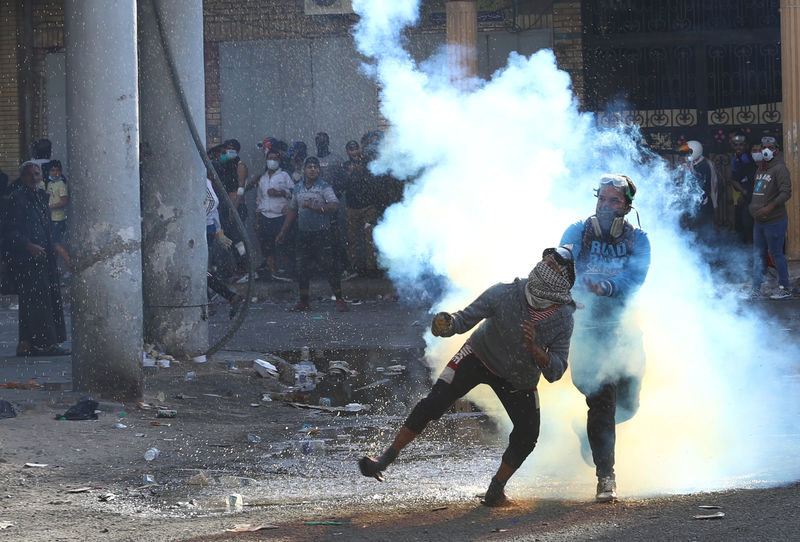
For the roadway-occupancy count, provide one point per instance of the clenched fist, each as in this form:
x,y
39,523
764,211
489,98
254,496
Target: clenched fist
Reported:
x,y
442,325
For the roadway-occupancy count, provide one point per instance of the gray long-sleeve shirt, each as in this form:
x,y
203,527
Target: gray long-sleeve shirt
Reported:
x,y
499,340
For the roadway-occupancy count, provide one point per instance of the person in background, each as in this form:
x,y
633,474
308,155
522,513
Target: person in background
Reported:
x,y
524,333
772,189
743,171
272,201
56,186
32,262
313,204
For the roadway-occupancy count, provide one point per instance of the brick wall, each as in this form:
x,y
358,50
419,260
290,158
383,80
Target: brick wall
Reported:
x,y
213,110
9,99
568,42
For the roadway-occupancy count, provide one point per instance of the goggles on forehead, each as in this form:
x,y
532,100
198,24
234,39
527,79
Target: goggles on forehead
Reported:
x,y
768,139
738,139
617,181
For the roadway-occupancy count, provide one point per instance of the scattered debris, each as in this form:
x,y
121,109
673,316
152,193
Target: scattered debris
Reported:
x,y
80,490
498,530
4,525
29,385
235,500
166,413
84,409
716,515
198,479
236,481
107,497
212,395
120,426
149,479
324,523
36,465
709,507
144,406
190,376
350,408
438,509
6,410
249,528
265,368
184,396
161,424
253,438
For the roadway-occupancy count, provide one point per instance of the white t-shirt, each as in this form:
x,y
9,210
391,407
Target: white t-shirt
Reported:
x,y
273,206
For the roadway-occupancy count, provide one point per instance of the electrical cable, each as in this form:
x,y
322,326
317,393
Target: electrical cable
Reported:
x,y
176,83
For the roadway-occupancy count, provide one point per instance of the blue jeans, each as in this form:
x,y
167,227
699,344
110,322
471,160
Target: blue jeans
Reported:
x,y
769,237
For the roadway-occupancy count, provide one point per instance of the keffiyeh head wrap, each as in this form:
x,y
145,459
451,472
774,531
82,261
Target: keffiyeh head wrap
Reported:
x,y
547,287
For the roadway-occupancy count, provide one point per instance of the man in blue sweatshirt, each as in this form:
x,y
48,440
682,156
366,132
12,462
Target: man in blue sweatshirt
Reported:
x,y
525,332
611,259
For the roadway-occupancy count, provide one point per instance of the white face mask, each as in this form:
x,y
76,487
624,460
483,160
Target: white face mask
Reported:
x,y
767,154
757,156
231,153
272,165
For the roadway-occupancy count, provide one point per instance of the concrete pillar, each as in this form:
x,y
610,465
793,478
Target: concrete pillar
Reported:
x,y
790,74
104,239
462,37
174,251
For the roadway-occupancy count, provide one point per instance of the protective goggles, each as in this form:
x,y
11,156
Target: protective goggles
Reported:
x,y
562,254
619,182
738,139
768,139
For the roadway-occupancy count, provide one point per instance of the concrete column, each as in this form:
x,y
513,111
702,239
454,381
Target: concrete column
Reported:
x,y
462,37
790,74
104,239
174,251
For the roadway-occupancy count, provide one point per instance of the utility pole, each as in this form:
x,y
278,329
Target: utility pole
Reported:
x,y
174,250
105,235
790,75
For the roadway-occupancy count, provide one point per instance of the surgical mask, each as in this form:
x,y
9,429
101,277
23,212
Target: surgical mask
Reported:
x,y
768,154
231,153
53,178
757,156
272,165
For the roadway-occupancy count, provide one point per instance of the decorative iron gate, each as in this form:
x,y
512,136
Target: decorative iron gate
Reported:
x,y
685,69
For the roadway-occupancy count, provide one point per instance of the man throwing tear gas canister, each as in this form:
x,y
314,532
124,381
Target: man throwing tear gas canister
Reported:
x,y
525,333
611,258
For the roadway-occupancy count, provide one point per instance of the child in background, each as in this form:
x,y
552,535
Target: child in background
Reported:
x,y
56,186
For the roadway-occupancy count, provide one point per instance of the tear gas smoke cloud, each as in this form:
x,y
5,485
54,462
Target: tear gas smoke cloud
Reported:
x,y
498,172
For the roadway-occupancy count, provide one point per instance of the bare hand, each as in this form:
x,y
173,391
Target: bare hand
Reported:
x,y
279,238
529,332
594,287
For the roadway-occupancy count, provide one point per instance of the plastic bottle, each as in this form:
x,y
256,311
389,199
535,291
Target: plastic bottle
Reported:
x,y
313,447
151,454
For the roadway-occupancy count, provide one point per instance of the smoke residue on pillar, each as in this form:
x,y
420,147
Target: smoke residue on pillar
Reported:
x,y
496,173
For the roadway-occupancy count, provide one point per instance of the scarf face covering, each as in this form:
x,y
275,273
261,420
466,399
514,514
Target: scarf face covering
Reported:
x,y
545,287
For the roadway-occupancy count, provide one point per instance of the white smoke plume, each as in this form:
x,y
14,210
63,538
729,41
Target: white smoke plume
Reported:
x,y
496,173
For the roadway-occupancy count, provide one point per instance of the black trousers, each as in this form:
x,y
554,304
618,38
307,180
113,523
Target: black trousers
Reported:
x,y
315,247
522,406
41,312
602,419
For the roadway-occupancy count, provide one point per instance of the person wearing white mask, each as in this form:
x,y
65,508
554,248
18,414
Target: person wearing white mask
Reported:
x,y
706,176
773,188
272,203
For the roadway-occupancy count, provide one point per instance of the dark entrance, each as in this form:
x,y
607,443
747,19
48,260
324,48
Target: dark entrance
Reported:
x,y
685,69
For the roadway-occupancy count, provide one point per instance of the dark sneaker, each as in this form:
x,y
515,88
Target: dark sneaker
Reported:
x,y
53,350
606,489
301,306
369,468
781,293
341,305
495,495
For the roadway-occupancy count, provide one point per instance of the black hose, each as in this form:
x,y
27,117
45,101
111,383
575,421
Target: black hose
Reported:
x,y
176,83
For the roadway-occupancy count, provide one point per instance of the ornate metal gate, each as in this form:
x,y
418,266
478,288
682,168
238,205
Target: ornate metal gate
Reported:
x,y
685,69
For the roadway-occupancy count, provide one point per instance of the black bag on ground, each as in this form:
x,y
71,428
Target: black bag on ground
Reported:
x,y
6,410
82,410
